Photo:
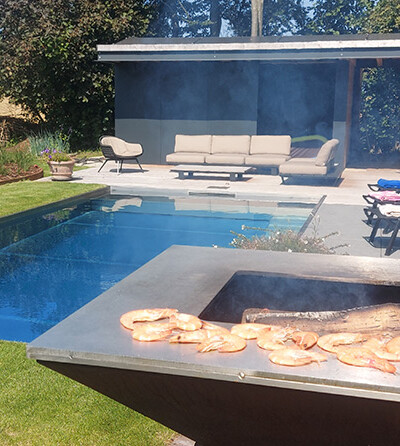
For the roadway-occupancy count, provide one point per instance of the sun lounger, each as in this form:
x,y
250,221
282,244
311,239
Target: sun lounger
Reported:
x,y
383,184
379,198
388,214
118,150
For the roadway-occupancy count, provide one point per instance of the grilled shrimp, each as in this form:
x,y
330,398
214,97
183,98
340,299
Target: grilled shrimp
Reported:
x,y
224,343
294,357
331,342
186,322
362,357
378,346
304,339
275,339
190,337
249,330
393,346
214,329
148,315
152,331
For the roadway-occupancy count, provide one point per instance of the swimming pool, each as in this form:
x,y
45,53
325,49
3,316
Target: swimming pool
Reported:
x,y
51,264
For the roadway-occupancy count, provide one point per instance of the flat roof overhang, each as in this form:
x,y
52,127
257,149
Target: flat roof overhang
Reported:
x,y
288,48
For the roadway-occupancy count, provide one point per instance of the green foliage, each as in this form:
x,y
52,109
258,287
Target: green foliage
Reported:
x,y
380,112
186,18
49,154
48,59
384,18
44,139
338,16
283,240
22,159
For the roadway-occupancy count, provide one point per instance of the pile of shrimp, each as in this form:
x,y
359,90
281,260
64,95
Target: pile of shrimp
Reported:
x,y
287,345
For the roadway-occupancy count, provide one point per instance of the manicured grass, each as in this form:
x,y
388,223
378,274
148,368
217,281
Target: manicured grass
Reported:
x,y
40,407
17,197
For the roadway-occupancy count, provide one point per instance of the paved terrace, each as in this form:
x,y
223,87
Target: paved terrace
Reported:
x,y
342,209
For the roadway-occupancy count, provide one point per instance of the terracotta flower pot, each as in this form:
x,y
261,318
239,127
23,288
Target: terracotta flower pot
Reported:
x,y
61,170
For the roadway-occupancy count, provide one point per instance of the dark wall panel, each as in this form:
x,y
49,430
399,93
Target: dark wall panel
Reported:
x,y
232,91
155,101
296,99
137,91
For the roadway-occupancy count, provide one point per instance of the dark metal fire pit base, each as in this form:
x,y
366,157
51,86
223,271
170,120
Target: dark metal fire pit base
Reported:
x,y
218,413
241,398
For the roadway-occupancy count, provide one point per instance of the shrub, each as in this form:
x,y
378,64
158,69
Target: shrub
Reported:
x,y
56,140
283,240
22,159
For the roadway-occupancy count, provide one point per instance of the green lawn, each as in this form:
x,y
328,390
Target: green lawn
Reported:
x,y
17,197
39,407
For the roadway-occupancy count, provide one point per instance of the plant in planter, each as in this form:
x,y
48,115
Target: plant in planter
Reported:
x,y
61,164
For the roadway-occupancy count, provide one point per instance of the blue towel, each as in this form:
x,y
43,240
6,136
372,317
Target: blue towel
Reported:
x,y
389,184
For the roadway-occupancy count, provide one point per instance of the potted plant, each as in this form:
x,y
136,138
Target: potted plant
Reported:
x,y
60,163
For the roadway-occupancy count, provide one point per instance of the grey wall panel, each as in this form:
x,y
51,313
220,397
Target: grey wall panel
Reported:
x,y
232,127
158,136
169,128
144,131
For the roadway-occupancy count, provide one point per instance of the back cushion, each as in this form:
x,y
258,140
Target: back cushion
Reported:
x,y
270,144
230,144
193,143
326,152
117,144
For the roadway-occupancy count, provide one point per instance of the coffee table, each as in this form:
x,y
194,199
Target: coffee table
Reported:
x,y
235,172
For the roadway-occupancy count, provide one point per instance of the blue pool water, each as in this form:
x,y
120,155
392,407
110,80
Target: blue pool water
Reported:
x,y
52,264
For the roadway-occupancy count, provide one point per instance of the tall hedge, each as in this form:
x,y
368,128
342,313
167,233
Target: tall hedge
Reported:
x,y
48,59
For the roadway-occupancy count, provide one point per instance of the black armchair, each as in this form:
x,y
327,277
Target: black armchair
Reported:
x,y
118,150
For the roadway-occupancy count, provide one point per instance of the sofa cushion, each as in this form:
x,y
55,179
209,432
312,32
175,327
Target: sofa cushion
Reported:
x,y
193,143
326,152
270,144
186,157
230,144
304,168
265,160
228,159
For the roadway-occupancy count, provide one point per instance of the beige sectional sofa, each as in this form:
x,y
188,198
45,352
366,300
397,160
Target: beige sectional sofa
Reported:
x,y
256,150
311,167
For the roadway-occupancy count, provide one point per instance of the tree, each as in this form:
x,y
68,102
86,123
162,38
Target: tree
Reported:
x,y
186,18
257,11
265,17
380,112
338,16
380,94
384,18
48,59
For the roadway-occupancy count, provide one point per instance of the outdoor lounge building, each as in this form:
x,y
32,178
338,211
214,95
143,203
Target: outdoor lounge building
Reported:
x,y
297,85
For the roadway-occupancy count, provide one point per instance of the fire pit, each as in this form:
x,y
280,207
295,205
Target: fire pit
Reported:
x,y
240,398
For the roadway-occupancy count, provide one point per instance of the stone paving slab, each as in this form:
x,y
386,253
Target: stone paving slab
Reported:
x,y
159,177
